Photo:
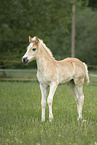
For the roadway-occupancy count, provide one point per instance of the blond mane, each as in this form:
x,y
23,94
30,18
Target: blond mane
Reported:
x,y
47,49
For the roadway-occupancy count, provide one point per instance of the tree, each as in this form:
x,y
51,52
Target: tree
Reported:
x,y
49,20
19,19
86,34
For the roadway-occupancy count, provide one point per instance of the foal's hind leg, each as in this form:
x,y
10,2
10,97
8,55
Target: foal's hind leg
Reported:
x,y
74,91
80,100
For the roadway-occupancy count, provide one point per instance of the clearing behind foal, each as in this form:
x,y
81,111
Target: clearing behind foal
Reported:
x,y
51,72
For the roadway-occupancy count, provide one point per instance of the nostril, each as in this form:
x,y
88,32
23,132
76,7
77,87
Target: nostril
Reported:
x,y
24,60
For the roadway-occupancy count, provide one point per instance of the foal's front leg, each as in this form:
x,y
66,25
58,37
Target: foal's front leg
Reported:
x,y
53,87
43,100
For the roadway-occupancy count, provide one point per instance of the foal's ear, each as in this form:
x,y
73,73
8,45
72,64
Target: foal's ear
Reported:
x,y
37,39
30,39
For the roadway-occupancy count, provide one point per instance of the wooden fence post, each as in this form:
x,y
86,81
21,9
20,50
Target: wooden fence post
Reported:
x,y
73,31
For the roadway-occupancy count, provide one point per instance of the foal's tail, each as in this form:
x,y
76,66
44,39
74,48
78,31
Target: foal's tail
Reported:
x,y
86,75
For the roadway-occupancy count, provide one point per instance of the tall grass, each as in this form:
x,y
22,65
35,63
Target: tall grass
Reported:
x,y
20,116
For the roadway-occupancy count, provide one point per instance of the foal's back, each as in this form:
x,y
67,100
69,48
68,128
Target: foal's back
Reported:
x,y
70,68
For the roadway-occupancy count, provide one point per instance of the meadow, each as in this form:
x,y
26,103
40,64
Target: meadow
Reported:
x,y
20,116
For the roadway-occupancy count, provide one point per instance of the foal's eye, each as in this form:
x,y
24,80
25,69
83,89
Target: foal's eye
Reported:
x,y
33,49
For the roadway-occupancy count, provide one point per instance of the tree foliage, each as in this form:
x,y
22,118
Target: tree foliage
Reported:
x,y
51,21
19,19
86,34
93,4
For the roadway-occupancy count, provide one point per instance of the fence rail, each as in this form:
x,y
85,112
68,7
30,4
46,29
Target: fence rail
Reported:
x,y
18,75
11,61
8,74
34,70
30,76
15,79
92,66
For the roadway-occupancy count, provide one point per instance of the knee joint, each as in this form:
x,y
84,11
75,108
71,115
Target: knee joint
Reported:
x,y
43,104
49,101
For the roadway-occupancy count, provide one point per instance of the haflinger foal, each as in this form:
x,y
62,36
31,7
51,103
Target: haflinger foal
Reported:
x,y
51,72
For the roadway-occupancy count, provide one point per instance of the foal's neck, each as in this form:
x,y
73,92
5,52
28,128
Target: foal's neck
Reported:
x,y
44,58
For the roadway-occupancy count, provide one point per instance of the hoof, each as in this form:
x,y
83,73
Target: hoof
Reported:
x,y
42,120
79,118
51,118
84,120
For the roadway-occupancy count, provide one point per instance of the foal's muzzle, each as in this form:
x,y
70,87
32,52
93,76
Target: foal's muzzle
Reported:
x,y
25,60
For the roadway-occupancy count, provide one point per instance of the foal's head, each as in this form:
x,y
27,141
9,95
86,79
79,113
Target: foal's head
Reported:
x,y
32,50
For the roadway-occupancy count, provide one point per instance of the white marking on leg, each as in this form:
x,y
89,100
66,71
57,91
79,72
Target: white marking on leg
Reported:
x,y
50,113
43,114
80,101
43,100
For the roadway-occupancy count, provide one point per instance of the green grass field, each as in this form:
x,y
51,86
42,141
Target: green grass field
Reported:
x,y
20,116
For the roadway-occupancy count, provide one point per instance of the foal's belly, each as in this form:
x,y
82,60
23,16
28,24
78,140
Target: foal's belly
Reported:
x,y
65,75
64,79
